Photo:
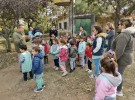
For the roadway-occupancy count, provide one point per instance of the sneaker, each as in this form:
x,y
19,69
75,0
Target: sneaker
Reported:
x,y
93,77
71,70
64,74
89,71
119,93
38,90
56,68
43,86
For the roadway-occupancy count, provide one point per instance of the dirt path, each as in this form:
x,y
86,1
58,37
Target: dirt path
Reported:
x,y
75,86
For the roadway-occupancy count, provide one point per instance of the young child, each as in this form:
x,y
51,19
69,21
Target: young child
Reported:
x,y
37,68
63,56
81,51
46,50
107,82
72,55
38,42
112,55
55,49
88,53
26,62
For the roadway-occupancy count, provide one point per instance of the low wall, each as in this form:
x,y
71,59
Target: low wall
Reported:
x,y
7,59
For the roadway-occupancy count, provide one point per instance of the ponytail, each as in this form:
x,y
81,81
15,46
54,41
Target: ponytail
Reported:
x,y
113,67
109,65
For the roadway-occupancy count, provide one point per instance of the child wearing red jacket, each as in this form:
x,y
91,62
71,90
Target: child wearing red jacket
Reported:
x,y
88,53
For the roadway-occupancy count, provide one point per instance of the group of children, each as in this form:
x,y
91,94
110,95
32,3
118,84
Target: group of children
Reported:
x,y
76,49
33,63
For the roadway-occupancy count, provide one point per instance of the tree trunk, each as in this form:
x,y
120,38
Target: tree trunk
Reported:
x,y
117,15
8,44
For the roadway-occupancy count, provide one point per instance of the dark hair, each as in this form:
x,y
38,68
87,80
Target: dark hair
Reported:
x,y
109,66
37,40
72,42
63,41
81,37
99,29
37,49
19,25
126,22
23,47
82,27
89,44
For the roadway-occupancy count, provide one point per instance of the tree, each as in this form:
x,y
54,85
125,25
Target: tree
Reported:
x,y
99,7
12,10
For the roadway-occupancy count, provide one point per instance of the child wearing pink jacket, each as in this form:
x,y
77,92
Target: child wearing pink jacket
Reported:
x,y
107,82
63,56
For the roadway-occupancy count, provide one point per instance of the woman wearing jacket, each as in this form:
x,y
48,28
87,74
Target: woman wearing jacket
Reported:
x,y
110,34
98,48
123,47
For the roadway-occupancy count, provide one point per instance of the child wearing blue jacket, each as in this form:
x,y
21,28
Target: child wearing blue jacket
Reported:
x,y
37,68
81,51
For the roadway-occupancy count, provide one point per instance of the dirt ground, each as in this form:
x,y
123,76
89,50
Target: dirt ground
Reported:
x,y
75,86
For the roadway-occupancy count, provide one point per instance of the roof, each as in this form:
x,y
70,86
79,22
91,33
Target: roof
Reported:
x,y
62,2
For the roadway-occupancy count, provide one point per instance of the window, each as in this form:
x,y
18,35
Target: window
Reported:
x,y
65,25
60,26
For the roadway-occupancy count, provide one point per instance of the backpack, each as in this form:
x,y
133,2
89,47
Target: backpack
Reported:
x,y
74,54
46,48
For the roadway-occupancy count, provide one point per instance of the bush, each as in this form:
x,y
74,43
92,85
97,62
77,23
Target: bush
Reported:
x,y
26,31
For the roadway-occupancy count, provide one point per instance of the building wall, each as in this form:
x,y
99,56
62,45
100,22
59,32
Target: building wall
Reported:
x,y
61,25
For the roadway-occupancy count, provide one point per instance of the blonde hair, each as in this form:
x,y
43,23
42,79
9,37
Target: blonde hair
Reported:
x,y
110,25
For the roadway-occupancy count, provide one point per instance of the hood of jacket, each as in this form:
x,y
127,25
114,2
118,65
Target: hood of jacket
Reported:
x,y
115,81
129,30
40,55
64,46
101,35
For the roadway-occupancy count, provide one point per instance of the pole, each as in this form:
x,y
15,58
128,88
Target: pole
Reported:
x,y
72,17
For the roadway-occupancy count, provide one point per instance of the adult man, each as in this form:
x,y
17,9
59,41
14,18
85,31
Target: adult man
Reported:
x,y
19,37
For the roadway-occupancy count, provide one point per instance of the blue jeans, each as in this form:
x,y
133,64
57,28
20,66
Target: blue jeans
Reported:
x,y
39,80
97,66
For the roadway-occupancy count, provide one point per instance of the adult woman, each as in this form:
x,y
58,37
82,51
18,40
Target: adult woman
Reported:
x,y
123,47
82,31
98,48
110,34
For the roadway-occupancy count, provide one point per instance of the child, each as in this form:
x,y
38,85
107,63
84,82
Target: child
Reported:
x,y
72,55
81,51
112,55
38,42
37,68
46,50
107,82
88,53
63,56
26,62
55,51
88,39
